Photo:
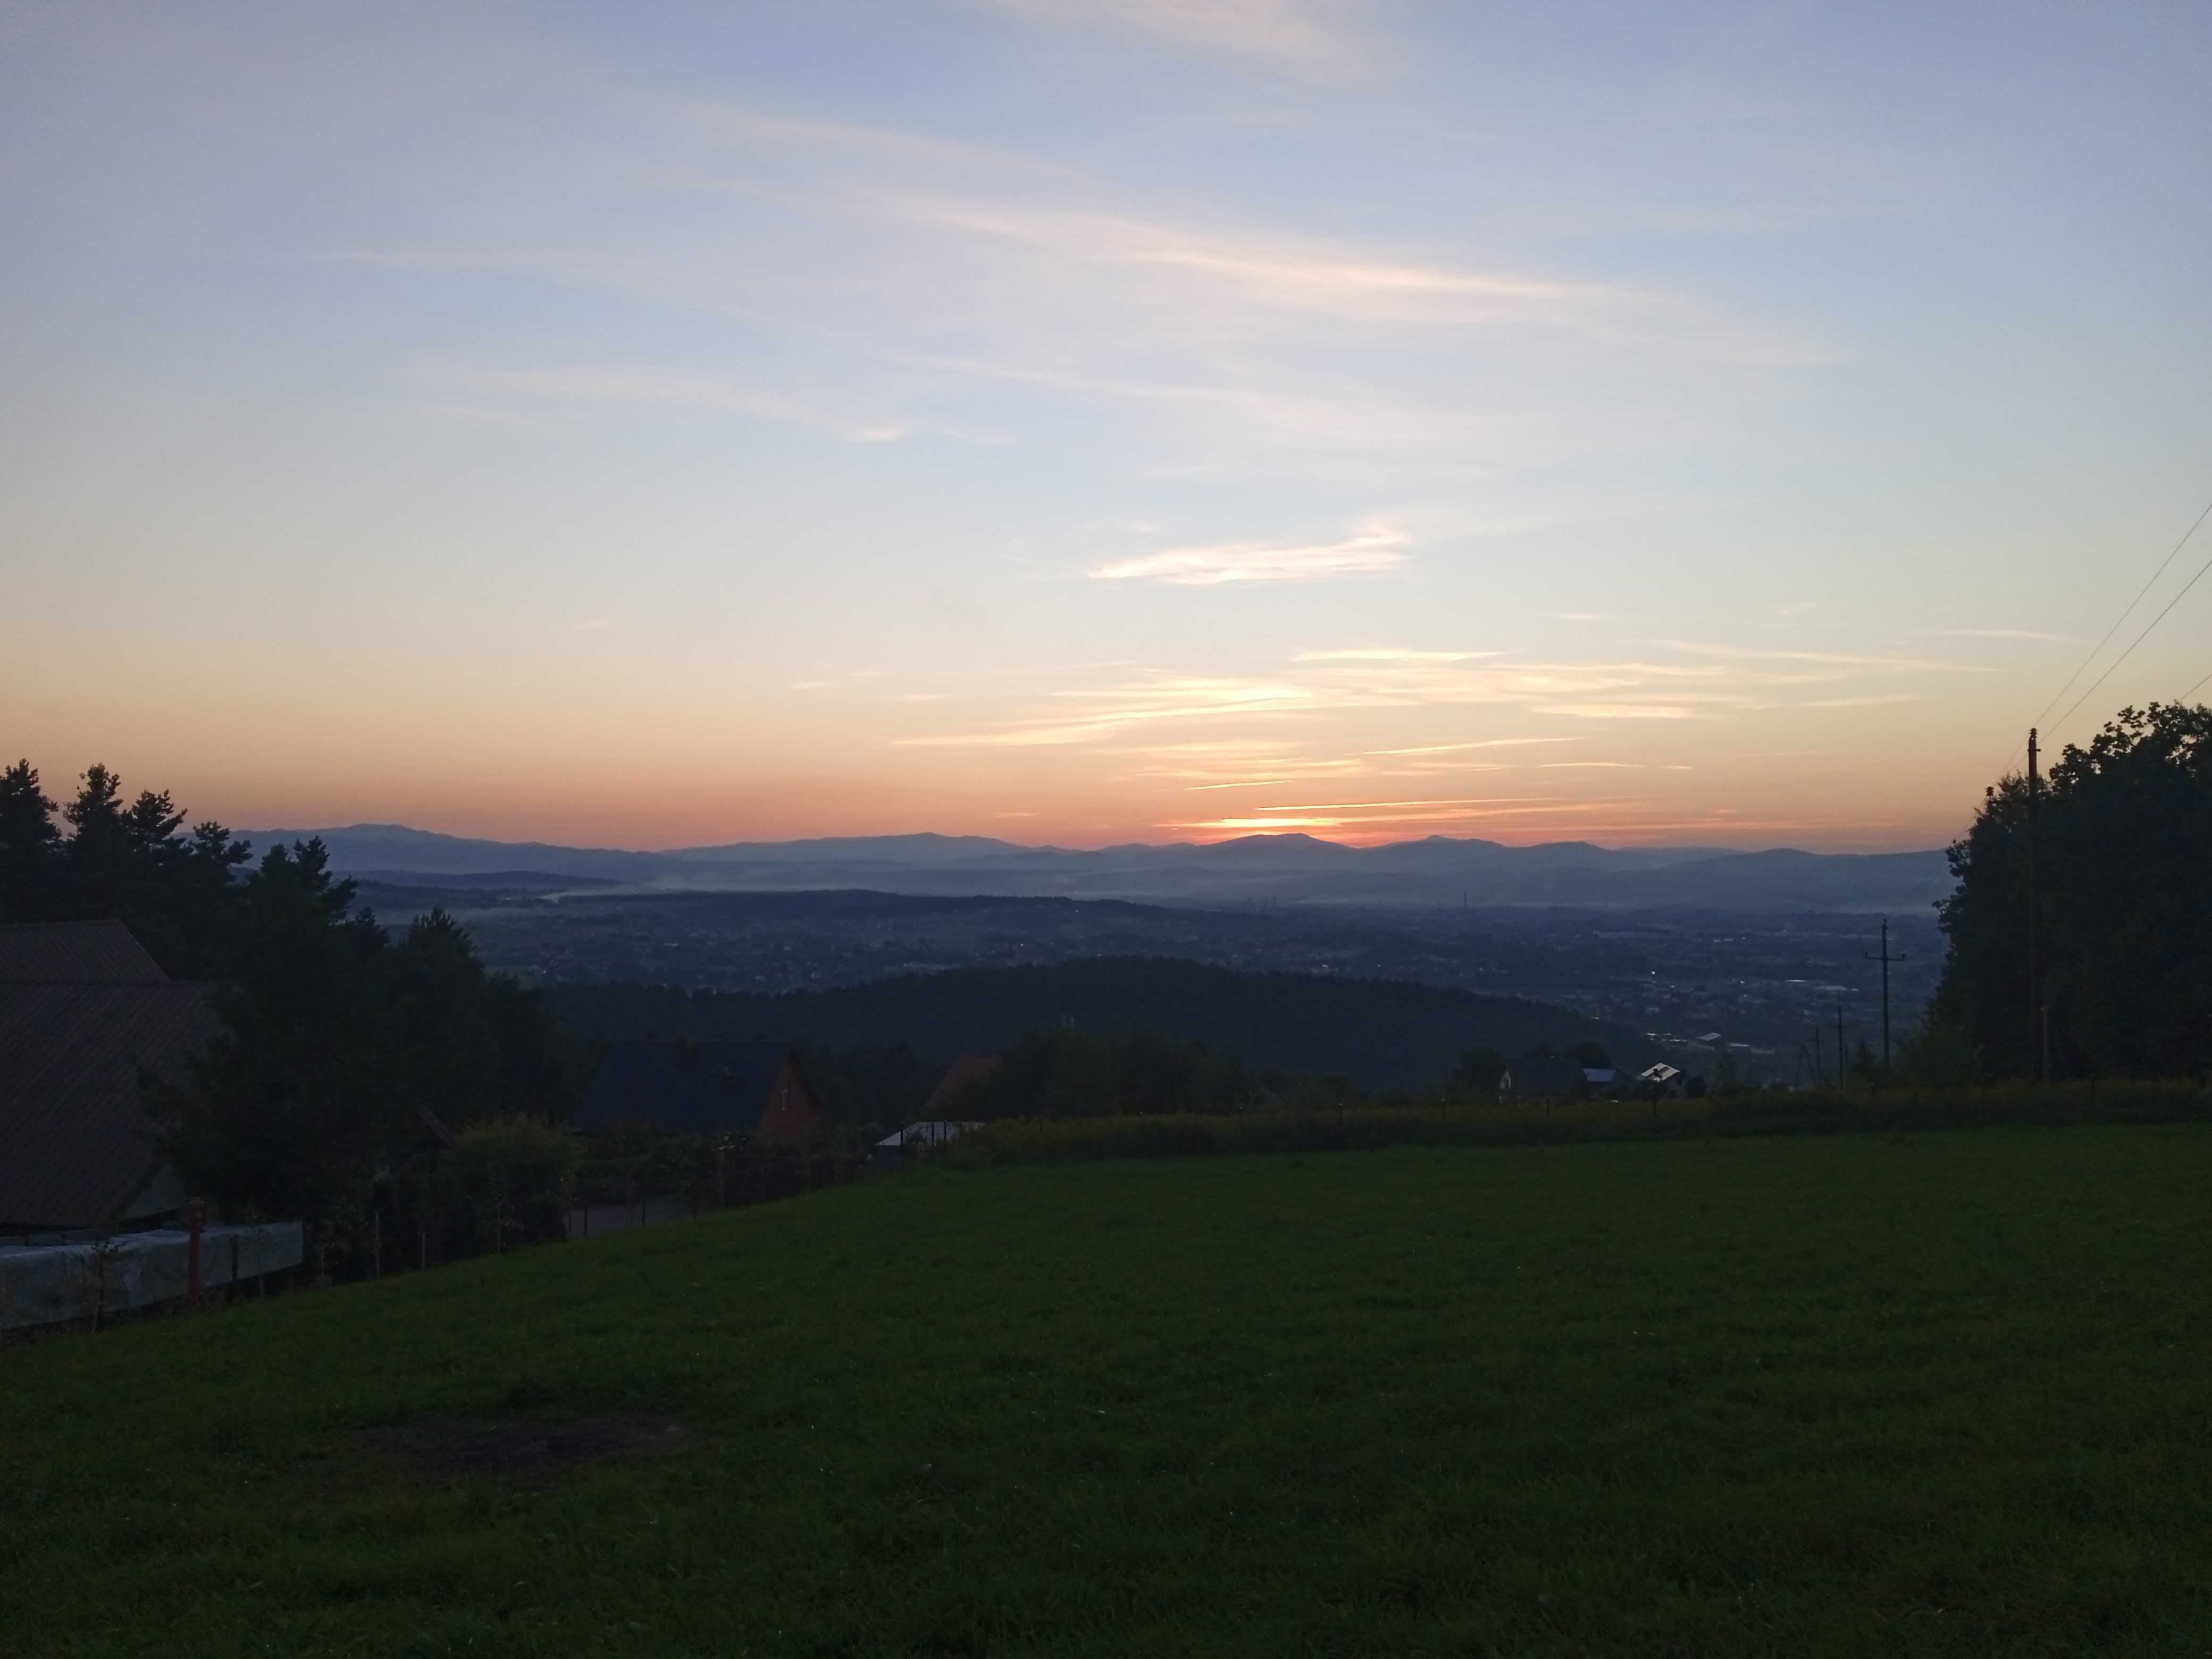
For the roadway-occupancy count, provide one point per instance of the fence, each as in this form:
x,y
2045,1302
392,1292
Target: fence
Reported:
x,y
52,1283
687,1175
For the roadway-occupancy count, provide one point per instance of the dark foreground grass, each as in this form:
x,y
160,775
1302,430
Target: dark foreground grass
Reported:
x,y
1851,1394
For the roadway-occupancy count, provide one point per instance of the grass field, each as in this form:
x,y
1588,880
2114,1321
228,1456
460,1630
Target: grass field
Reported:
x,y
1938,1393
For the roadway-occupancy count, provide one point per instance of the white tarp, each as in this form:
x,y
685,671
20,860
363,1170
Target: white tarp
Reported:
x,y
44,1284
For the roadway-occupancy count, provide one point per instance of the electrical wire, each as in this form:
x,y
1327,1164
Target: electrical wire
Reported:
x,y
2194,689
2171,554
2140,638
2122,617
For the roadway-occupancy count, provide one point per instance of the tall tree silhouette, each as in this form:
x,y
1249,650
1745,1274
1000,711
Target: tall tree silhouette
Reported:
x,y
30,845
2124,907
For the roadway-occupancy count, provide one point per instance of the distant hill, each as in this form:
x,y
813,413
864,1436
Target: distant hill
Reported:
x,y
398,853
1382,1033
1291,869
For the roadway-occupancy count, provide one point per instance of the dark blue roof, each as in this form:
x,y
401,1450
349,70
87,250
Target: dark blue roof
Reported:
x,y
682,1086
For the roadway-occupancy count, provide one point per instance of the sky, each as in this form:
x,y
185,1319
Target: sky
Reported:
x,y
1094,421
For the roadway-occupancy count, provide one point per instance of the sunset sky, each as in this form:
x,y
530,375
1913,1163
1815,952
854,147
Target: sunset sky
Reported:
x,y
1089,421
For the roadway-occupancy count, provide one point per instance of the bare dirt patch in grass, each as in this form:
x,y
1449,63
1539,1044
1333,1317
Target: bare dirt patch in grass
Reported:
x,y
472,1445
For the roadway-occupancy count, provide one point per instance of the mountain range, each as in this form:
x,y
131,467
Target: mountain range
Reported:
x,y
1283,869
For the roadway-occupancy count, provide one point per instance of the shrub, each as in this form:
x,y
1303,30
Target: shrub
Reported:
x,y
509,1182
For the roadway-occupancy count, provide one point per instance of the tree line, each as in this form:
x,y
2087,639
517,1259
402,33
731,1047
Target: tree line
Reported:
x,y
2116,850
1384,1034
345,1053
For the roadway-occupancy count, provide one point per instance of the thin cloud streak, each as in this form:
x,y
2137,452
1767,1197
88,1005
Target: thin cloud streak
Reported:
x,y
1485,742
1855,703
1362,806
1384,653
1622,711
1370,553
1894,664
1217,277
1320,682
702,393
1300,34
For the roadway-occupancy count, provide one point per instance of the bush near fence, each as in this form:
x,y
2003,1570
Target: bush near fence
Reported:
x,y
640,1168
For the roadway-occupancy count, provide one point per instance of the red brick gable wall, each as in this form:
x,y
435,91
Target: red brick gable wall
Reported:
x,y
792,1110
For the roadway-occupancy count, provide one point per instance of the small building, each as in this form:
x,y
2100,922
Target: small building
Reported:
x,y
1661,1082
902,1145
1601,1080
85,1015
758,1090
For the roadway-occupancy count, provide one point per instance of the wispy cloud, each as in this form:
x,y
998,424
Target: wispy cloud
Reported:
x,y
1307,35
1116,710
1833,658
1366,553
753,128
1319,684
885,247
1377,806
1300,274
2003,633
1391,654
1485,743
1621,711
1871,701
698,390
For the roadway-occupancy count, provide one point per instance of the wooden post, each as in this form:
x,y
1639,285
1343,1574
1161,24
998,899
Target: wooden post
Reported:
x,y
195,1220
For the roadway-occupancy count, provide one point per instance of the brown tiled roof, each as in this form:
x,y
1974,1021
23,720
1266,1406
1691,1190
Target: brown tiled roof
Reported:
x,y
75,1145
959,1076
74,953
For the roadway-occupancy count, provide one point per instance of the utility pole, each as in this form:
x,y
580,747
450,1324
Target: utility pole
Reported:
x,y
1885,959
2035,982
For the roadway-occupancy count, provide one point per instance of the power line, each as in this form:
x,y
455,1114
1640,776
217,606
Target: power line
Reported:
x,y
2171,554
2122,617
2193,690
2140,637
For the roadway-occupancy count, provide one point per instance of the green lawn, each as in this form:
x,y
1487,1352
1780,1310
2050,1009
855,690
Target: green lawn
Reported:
x,y
1869,1395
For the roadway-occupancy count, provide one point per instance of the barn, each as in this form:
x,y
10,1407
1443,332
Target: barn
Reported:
x,y
84,1014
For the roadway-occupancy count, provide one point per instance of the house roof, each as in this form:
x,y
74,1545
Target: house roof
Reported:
x,y
76,1143
74,953
1600,1076
1662,1073
962,1074
683,1086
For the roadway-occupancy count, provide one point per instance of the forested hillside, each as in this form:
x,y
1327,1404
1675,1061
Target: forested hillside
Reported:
x,y
1381,1033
